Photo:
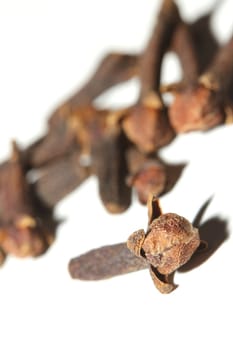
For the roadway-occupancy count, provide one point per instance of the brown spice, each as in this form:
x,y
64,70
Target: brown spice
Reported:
x,y
182,44
168,243
146,124
58,179
204,104
110,167
26,227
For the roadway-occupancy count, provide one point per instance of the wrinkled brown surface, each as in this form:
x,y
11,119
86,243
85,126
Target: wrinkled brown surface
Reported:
x,y
170,242
105,262
203,105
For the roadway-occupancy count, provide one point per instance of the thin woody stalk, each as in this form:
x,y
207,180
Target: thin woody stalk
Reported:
x,y
151,59
146,124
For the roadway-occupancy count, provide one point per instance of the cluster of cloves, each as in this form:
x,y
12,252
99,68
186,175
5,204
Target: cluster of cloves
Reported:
x,y
121,148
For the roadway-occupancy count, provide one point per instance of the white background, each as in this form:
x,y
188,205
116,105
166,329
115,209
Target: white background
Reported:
x,y
48,48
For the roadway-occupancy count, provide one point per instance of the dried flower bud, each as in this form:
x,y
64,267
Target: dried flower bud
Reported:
x,y
27,227
170,242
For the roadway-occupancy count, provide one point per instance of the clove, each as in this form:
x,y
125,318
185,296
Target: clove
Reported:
x,y
205,104
146,175
105,262
27,227
168,243
146,124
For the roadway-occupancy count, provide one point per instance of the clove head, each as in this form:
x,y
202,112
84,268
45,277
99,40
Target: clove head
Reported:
x,y
196,108
170,242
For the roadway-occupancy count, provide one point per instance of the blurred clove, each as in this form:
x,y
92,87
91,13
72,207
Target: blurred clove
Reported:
x,y
205,104
168,243
146,124
27,228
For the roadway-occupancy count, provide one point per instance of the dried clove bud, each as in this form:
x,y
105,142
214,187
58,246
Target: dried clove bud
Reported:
x,y
26,227
169,243
146,124
182,44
